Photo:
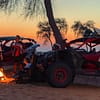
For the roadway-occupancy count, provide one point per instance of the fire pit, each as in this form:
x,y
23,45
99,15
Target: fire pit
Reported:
x,y
4,78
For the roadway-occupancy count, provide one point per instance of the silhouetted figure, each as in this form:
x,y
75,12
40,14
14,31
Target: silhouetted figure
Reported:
x,y
17,51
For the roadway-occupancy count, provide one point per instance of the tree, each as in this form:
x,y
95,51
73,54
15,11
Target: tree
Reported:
x,y
45,29
78,28
85,29
31,6
49,12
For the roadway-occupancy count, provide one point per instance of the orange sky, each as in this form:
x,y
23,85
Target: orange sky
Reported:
x,y
13,25
71,10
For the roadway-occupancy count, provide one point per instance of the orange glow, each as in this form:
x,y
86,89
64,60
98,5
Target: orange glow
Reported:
x,y
13,25
1,74
4,78
7,80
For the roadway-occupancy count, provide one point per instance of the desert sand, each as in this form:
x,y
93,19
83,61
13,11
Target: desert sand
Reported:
x,y
41,91
83,88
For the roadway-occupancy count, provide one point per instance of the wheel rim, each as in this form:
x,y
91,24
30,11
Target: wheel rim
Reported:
x,y
60,75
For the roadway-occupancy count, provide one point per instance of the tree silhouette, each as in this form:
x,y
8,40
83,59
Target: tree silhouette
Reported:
x,y
90,28
85,29
45,29
78,28
32,6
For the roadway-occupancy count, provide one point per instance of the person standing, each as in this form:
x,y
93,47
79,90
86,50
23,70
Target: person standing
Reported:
x,y
17,51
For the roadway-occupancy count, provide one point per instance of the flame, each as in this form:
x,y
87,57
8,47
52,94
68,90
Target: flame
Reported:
x,y
1,74
4,78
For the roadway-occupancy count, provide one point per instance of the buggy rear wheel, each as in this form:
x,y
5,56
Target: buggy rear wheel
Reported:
x,y
60,75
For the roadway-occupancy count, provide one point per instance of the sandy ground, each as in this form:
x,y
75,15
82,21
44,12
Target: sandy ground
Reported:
x,y
43,91
81,89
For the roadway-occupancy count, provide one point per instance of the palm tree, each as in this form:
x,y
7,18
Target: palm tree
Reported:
x,y
31,6
45,29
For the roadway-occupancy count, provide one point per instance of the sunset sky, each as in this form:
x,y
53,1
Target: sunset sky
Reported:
x,y
71,10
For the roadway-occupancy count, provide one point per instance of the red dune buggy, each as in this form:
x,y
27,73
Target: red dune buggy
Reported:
x,y
80,56
5,48
89,49
59,67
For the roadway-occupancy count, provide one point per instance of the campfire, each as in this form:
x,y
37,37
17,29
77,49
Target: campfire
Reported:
x,y
4,78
